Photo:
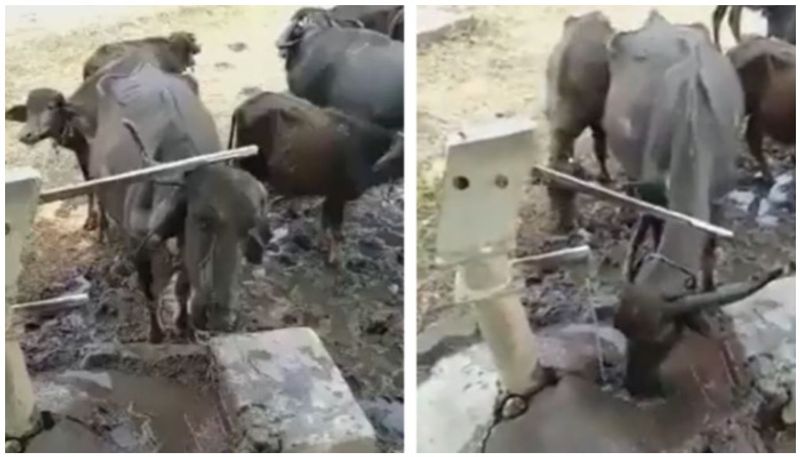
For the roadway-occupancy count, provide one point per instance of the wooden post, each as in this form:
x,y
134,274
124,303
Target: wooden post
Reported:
x,y
22,193
487,168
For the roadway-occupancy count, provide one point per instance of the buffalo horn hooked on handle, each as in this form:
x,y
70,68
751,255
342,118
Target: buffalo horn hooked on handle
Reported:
x,y
724,295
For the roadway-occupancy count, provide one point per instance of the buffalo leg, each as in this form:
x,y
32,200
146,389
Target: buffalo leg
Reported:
x,y
735,22
182,290
716,19
102,224
707,265
755,142
600,152
92,218
332,216
562,201
657,228
144,264
642,225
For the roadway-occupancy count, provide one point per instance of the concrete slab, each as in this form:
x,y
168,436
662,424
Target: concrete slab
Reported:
x,y
764,326
434,24
282,392
578,416
454,405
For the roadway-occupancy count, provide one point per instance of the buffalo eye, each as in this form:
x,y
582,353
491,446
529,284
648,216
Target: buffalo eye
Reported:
x,y
205,223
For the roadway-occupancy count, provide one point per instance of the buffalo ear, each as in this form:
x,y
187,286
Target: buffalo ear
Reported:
x,y
61,102
17,113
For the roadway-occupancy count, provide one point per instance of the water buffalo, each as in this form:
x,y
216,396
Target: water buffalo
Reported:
x,y
577,83
672,117
306,150
780,20
766,69
357,71
216,212
40,114
386,19
175,53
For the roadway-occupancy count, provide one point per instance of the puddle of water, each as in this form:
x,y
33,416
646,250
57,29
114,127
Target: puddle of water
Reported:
x,y
182,418
767,206
387,416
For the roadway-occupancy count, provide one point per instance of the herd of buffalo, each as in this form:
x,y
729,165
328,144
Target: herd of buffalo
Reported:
x,y
675,112
337,132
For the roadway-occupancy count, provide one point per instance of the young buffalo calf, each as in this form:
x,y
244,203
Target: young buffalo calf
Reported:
x,y
174,53
306,150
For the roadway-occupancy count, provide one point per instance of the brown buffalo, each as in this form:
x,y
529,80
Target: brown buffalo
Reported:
x,y
766,69
577,83
306,150
780,20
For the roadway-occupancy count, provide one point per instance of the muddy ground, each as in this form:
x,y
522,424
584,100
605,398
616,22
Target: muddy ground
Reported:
x,y
495,68
356,310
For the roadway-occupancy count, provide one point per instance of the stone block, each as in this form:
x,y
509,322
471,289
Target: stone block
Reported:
x,y
455,403
282,392
764,325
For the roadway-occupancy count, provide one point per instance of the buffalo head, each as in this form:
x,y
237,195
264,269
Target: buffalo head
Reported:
x,y
45,114
303,21
652,322
184,45
223,215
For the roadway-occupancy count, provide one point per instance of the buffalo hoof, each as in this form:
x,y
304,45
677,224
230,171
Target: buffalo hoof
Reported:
x,y
92,221
199,336
766,179
156,336
604,179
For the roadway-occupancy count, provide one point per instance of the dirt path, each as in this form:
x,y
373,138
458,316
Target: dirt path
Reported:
x,y
357,311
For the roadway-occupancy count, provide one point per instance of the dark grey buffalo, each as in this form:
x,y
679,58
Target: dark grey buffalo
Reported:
x,y
217,213
357,71
577,83
780,20
42,117
306,150
174,54
672,117
766,68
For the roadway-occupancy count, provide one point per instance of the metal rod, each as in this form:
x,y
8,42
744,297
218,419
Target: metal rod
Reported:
x,y
598,191
557,258
51,304
74,190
